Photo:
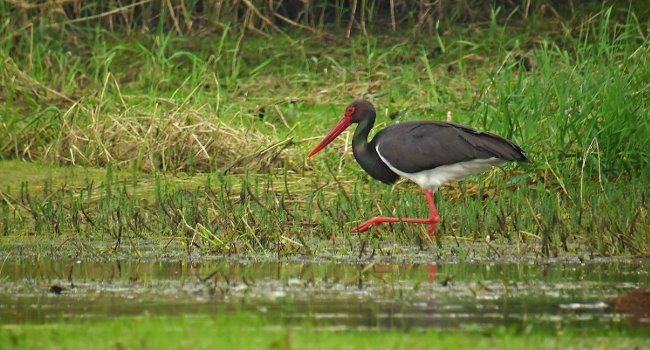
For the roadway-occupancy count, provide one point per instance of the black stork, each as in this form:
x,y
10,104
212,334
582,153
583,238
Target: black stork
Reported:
x,y
428,153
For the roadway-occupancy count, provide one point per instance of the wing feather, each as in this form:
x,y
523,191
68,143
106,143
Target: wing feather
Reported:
x,y
416,146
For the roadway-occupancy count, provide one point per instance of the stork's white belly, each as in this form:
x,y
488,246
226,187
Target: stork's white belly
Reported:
x,y
431,179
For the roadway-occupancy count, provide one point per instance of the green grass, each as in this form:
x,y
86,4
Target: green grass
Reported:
x,y
204,137
248,331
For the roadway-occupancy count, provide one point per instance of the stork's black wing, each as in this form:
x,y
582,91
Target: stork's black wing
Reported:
x,y
415,146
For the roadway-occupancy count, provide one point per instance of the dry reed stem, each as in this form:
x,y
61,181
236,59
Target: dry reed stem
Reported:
x,y
293,23
105,14
393,23
260,15
352,15
186,17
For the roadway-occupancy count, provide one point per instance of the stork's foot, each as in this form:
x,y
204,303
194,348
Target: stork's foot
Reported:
x,y
380,219
368,224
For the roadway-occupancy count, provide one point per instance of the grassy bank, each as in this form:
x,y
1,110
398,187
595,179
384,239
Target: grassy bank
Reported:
x,y
247,331
202,135
573,94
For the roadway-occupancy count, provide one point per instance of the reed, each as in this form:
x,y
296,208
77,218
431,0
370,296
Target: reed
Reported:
x,y
262,18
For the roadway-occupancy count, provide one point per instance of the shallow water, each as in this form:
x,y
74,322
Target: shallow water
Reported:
x,y
327,294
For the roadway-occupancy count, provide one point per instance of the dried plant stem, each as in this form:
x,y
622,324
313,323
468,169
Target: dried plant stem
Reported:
x,y
352,16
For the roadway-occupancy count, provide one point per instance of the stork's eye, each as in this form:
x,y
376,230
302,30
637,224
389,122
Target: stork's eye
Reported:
x,y
349,111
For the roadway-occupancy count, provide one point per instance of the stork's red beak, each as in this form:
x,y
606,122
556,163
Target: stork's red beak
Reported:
x,y
336,130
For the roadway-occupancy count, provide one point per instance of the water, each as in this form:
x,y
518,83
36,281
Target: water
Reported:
x,y
327,294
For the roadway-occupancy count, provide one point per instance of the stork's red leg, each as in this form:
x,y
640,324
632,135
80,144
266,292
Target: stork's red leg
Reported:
x,y
431,220
433,213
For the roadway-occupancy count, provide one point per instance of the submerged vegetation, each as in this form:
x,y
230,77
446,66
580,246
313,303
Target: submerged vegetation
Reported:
x,y
201,114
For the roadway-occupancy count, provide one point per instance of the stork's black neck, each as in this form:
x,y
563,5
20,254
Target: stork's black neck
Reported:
x,y
366,153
